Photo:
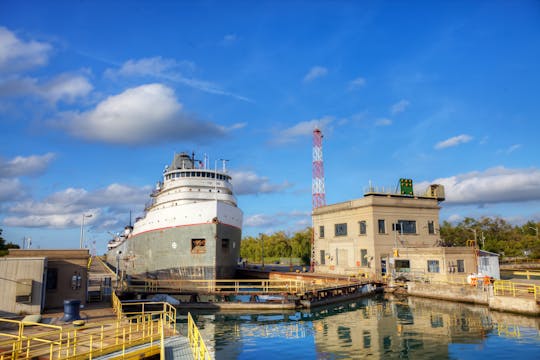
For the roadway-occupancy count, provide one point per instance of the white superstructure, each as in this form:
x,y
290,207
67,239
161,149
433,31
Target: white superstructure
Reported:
x,y
189,194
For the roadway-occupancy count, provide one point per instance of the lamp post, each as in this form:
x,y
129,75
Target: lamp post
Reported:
x,y
262,250
117,266
535,229
82,229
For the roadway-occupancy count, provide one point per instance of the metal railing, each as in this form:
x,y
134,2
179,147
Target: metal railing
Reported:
x,y
87,342
146,323
196,342
506,287
234,286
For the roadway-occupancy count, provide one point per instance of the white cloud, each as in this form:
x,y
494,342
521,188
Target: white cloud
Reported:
x,y
357,83
259,220
453,141
315,72
10,189
302,129
145,114
399,107
16,54
29,165
513,148
248,182
170,70
455,218
64,209
65,87
383,122
495,185
288,221
155,66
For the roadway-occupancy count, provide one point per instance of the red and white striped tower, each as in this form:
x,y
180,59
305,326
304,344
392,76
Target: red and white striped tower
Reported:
x,y
317,185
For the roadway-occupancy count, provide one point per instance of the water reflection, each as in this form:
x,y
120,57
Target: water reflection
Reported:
x,y
404,328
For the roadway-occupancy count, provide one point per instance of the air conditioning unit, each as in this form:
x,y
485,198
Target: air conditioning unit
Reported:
x,y
23,291
436,191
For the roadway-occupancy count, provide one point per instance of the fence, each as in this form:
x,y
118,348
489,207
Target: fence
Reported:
x,y
196,342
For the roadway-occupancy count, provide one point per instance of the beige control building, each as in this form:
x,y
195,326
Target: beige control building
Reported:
x,y
387,233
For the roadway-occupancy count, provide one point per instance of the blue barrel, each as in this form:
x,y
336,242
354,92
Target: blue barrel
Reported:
x,y
71,310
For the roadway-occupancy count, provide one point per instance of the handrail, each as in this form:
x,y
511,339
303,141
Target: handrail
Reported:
x,y
196,341
148,326
507,287
236,286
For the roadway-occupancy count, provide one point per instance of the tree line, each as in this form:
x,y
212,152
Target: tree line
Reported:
x,y
495,235
277,245
491,234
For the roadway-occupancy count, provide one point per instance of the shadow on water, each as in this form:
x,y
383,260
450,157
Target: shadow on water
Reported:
x,y
375,327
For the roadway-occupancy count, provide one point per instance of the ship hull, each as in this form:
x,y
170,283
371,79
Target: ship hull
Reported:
x,y
198,251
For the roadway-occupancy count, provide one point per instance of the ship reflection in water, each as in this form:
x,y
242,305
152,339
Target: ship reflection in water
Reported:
x,y
380,328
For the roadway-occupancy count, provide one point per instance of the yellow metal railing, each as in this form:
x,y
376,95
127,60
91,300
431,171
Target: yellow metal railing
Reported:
x,y
87,342
196,342
148,323
506,287
236,286
527,273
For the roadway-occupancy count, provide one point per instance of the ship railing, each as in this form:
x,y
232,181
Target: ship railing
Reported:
x,y
277,286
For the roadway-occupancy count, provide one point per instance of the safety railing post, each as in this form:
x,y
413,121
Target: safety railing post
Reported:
x,y
162,350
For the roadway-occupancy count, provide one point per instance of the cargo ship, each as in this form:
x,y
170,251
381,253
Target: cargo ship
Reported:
x,y
191,228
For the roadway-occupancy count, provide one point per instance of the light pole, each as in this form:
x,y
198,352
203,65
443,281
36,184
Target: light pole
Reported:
x,y
117,266
82,229
262,250
535,229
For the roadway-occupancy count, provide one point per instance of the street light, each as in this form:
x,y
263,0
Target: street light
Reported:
x,y
82,229
535,229
262,250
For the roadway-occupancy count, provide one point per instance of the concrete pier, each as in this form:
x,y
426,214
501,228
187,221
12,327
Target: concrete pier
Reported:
x,y
526,305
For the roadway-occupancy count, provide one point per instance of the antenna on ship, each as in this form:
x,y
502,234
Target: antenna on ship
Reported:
x,y
129,218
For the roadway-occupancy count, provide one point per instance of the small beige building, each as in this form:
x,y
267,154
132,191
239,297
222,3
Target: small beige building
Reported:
x,y
387,233
33,280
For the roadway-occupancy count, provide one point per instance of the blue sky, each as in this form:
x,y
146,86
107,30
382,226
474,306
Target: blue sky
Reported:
x,y
95,98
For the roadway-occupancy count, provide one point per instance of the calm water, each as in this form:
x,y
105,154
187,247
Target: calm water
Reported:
x,y
407,328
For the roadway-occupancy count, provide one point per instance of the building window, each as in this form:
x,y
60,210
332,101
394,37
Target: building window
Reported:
x,y
484,261
52,279
363,258
433,266
367,339
382,228
341,229
362,225
225,245
403,265
460,266
431,227
323,260
321,231
407,226
198,246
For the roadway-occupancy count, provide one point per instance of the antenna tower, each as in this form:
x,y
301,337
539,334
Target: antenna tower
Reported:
x,y
317,185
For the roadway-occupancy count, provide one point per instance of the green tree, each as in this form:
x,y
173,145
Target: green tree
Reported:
x,y
4,247
277,245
